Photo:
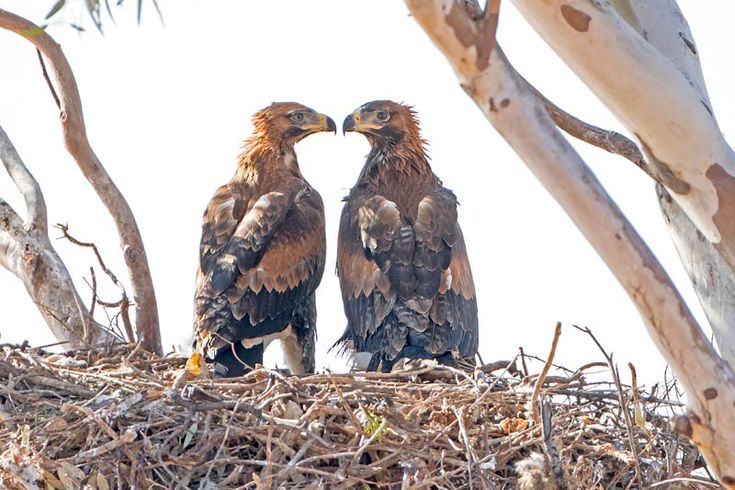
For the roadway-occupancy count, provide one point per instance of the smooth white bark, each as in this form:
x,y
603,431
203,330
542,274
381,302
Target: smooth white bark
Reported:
x,y
522,120
653,100
713,278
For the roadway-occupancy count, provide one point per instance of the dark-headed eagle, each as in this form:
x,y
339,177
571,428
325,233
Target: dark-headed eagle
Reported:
x,y
403,269
262,250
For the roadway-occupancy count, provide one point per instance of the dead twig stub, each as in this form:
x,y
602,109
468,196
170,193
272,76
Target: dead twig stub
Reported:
x,y
542,377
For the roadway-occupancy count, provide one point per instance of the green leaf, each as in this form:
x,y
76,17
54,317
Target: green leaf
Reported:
x,y
55,9
32,32
190,433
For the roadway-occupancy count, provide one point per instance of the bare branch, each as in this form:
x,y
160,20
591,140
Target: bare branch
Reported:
x,y
37,222
610,141
75,138
48,80
542,376
623,405
124,302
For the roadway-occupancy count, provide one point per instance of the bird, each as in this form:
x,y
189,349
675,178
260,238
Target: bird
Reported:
x,y
404,274
262,250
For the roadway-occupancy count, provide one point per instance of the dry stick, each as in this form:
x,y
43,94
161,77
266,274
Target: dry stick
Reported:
x,y
48,79
523,361
466,441
623,405
94,292
123,303
542,376
556,466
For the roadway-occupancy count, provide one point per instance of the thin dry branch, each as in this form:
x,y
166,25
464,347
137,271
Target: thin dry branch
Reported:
x,y
542,376
123,303
75,139
623,404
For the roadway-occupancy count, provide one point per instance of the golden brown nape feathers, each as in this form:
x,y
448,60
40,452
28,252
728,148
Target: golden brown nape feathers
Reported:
x,y
262,250
406,281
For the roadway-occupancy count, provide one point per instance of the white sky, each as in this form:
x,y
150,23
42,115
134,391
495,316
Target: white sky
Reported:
x,y
167,107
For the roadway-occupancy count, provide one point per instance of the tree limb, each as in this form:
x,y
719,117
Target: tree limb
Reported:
x,y
28,253
665,109
75,139
523,121
36,219
610,141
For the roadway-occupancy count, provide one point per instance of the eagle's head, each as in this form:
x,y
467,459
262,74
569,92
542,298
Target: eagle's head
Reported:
x,y
284,124
384,121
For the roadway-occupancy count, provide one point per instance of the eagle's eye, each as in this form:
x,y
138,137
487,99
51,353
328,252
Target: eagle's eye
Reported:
x,y
382,116
297,117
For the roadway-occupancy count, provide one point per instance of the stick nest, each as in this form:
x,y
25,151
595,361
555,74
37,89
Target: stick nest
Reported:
x,y
126,418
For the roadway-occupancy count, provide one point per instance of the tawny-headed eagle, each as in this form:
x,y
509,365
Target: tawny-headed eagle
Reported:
x,y
403,269
262,250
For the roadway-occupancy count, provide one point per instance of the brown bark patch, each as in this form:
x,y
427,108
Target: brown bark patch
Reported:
x,y
504,103
724,218
663,173
579,21
710,393
479,33
728,480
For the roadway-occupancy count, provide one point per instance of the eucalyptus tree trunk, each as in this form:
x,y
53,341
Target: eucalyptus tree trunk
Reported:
x,y
663,102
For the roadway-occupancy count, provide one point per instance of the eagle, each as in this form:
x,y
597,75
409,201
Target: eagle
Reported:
x,y
262,251
403,270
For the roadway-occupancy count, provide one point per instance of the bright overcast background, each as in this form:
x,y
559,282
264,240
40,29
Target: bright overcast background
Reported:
x,y
167,107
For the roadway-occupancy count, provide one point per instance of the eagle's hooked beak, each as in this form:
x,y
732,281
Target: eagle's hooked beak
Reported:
x,y
353,122
324,123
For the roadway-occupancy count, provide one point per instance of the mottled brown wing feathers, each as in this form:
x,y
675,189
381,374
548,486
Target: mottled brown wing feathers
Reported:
x,y
406,282
261,257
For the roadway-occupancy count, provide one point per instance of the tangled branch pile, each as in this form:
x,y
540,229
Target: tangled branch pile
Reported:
x,y
120,419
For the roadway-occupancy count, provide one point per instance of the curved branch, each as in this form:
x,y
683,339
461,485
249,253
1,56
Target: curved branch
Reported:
x,y
665,108
36,219
610,141
75,139
523,121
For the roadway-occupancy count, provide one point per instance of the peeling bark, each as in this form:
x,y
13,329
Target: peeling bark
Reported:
x,y
529,129
75,139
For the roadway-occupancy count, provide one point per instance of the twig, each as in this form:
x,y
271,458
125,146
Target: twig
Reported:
x,y
552,452
123,303
48,80
466,441
105,448
94,292
540,381
623,405
523,361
